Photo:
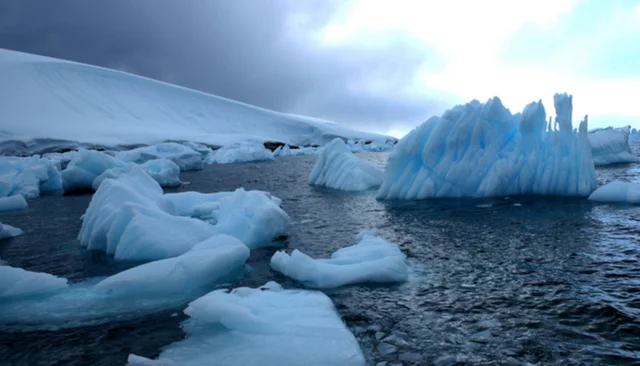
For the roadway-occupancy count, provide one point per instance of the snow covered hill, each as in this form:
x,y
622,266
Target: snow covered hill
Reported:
x,y
46,102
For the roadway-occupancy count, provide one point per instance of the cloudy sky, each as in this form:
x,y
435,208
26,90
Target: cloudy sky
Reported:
x,y
378,65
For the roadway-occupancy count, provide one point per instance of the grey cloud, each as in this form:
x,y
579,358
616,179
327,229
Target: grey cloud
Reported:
x,y
258,52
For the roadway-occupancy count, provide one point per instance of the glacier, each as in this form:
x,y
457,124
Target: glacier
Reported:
x,y
13,203
86,106
611,146
130,217
8,232
264,326
338,168
28,177
617,192
240,153
482,150
371,260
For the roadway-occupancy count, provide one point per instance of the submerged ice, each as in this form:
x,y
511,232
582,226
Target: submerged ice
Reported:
x,y
338,168
479,150
263,326
371,260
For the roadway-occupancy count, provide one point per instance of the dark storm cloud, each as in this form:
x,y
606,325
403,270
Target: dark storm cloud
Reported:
x,y
259,52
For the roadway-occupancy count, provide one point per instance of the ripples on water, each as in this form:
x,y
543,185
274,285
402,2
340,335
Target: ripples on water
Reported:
x,y
550,282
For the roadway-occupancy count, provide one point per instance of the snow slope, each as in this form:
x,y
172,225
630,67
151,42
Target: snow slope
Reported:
x,y
480,150
611,146
46,102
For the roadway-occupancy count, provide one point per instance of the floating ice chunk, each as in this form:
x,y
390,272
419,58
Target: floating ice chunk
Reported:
x,y
16,282
216,260
372,260
286,150
13,203
8,231
378,146
617,191
204,150
263,326
84,168
130,218
338,168
240,153
28,176
185,157
480,150
163,171
105,219
254,217
611,146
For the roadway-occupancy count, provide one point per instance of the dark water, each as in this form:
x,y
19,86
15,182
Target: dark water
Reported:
x,y
550,282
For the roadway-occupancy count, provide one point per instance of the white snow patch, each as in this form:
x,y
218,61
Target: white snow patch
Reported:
x,y
372,260
263,326
338,168
617,191
480,150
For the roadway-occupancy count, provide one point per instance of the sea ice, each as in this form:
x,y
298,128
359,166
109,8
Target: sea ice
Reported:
x,y
240,153
263,326
617,191
16,282
85,166
338,168
216,260
480,150
28,177
185,157
8,231
378,146
356,147
611,146
13,203
372,260
163,171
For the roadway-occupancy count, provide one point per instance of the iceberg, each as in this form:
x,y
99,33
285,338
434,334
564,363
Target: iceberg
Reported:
x,y
28,177
240,153
8,231
482,150
183,156
611,146
371,260
13,203
86,106
16,283
216,260
163,171
617,191
130,217
338,168
85,166
262,326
